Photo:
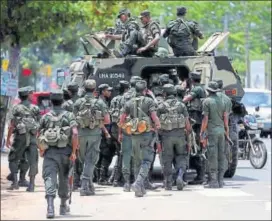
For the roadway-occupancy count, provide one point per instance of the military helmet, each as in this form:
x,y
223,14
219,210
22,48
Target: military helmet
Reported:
x,y
56,95
140,85
164,79
134,79
124,84
90,84
212,87
144,13
24,91
219,82
123,11
102,87
195,75
181,11
157,91
72,86
169,89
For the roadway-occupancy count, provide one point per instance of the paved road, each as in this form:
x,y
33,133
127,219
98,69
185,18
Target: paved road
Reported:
x,y
246,196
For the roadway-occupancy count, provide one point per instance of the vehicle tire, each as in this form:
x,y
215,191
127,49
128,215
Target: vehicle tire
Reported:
x,y
233,162
258,161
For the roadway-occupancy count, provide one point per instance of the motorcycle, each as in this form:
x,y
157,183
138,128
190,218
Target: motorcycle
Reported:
x,y
251,147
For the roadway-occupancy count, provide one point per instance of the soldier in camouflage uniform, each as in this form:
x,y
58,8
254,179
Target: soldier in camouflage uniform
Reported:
x,y
57,141
107,150
150,34
194,101
215,123
24,125
232,119
129,38
91,117
174,120
180,92
181,34
142,112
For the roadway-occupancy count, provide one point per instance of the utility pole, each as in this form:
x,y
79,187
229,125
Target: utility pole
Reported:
x,y
247,61
226,29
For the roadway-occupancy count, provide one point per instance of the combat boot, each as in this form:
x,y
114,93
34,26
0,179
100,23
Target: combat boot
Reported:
x,y
138,189
148,185
10,177
91,187
213,183
85,190
199,178
127,183
50,207
31,185
180,181
103,176
168,183
64,208
14,185
22,181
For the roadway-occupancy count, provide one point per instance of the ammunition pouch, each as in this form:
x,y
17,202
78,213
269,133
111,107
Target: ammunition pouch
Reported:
x,y
86,120
136,126
169,123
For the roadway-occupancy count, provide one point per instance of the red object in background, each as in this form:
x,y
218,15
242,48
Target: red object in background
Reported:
x,y
42,99
26,72
54,85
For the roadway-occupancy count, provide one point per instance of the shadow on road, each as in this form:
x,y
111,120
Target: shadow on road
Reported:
x,y
241,178
106,194
66,217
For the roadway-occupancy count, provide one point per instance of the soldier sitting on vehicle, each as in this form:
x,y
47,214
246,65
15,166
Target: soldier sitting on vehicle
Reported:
x,y
150,34
181,34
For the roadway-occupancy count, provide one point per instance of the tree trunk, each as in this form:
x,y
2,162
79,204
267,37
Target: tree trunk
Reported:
x,y
14,61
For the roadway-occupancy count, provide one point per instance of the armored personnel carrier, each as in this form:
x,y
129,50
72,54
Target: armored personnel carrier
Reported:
x,y
99,63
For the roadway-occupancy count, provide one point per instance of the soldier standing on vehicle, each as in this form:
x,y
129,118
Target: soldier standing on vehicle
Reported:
x,y
91,117
57,141
174,120
142,112
214,128
150,34
24,126
181,34
107,150
194,101
129,38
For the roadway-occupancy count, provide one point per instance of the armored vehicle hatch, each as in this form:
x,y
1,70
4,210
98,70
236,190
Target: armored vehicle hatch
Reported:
x,y
99,63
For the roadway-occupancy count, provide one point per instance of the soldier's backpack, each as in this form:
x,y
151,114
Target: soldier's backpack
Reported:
x,y
57,132
26,123
115,109
171,119
88,115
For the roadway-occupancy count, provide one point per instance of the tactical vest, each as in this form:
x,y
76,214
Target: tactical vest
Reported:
x,y
196,103
147,34
172,119
88,115
140,122
57,132
26,123
115,109
128,28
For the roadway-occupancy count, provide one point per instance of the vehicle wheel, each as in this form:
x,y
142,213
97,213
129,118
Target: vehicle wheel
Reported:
x,y
258,160
233,162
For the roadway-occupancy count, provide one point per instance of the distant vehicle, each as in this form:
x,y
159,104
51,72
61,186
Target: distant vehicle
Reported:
x,y
258,103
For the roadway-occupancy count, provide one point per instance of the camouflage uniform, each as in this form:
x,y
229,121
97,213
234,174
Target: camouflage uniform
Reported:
x,y
56,161
24,143
142,151
89,139
107,148
148,33
180,92
214,108
129,42
173,136
181,34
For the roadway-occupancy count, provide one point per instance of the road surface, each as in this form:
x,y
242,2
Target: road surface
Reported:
x,y
246,196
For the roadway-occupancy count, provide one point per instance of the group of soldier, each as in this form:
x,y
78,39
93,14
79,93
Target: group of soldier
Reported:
x,y
182,35
85,132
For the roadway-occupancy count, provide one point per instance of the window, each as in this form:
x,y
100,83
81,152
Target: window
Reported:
x,y
254,99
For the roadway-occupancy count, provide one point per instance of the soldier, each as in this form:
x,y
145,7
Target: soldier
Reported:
x,y
215,123
194,100
150,34
107,150
70,95
91,117
180,92
57,141
231,116
129,38
24,126
181,34
174,120
142,111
